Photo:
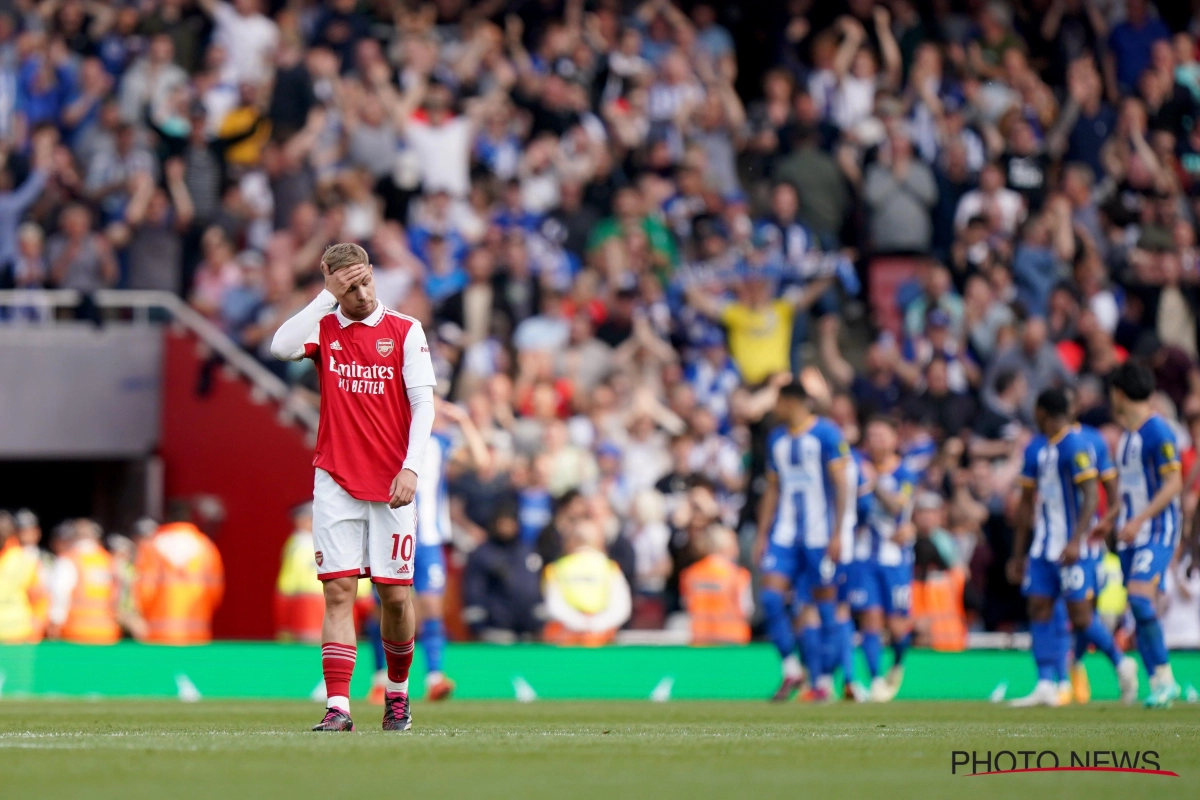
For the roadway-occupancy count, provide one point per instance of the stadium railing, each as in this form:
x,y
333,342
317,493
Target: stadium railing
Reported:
x,y
44,304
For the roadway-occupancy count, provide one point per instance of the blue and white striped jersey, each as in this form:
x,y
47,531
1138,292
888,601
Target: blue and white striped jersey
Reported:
x,y
1144,458
1106,470
433,499
1055,468
877,542
806,496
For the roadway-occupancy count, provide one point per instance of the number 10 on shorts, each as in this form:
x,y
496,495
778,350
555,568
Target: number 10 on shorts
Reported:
x,y
403,545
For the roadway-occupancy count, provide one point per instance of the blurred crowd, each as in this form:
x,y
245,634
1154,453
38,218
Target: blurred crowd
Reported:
x,y
622,243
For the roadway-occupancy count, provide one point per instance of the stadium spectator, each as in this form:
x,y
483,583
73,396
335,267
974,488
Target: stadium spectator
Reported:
x,y
181,580
501,593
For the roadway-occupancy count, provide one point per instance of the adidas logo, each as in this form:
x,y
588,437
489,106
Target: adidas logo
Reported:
x,y
336,345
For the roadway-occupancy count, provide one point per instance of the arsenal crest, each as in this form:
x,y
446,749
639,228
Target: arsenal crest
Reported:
x,y
384,347
320,557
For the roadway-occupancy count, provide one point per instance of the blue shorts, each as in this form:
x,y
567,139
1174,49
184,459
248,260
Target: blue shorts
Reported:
x,y
887,587
1046,578
430,569
806,568
1147,562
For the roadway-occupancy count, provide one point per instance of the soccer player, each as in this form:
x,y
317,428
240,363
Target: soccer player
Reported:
x,y
1148,516
1091,554
801,512
883,569
377,413
1059,472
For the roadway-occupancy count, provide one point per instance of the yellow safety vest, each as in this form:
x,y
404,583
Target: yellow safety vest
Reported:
x,y
584,578
18,581
298,568
93,615
1112,598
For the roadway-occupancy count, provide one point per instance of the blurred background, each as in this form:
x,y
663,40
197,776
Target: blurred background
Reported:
x,y
623,226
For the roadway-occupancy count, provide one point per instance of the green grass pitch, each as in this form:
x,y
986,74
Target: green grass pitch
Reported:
x,y
158,749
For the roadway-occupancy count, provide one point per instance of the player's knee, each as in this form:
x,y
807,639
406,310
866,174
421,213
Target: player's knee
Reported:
x,y
395,600
1080,615
773,603
1142,608
340,594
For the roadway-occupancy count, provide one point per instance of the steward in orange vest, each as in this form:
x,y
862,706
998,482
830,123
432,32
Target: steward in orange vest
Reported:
x,y
181,581
716,592
83,587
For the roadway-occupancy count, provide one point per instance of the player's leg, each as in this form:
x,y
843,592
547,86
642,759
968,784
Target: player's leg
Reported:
x,y
1041,591
1089,631
778,566
429,582
821,575
851,689
896,591
1064,644
339,537
865,606
392,546
1143,582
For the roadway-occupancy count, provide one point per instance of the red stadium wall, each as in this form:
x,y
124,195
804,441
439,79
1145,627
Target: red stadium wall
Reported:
x,y
222,442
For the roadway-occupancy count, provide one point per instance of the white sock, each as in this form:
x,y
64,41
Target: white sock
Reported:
x,y
432,678
393,686
379,678
339,702
791,667
1164,675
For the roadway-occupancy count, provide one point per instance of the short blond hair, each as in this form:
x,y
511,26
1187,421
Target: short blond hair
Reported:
x,y
343,254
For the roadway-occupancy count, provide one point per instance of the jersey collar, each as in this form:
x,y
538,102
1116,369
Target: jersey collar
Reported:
x,y
372,319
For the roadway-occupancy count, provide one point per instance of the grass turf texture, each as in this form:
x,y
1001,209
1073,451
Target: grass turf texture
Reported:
x,y
134,750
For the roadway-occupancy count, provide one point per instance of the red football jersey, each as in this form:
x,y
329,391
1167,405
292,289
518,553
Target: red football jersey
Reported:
x,y
365,370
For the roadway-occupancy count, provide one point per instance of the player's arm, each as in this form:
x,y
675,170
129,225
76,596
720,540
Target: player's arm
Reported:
x,y
766,513
1108,479
291,341
419,378
836,470
894,502
1089,488
1015,569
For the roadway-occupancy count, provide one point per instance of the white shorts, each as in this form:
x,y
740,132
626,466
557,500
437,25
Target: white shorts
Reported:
x,y
355,537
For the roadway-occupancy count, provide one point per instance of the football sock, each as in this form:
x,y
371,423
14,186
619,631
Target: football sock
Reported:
x,y
399,661
847,650
900,647
337,663
872,647
1149,633
1082,641
1045,649
779,624
433,642
830,630
810,651
1065,643
371,628
1097,634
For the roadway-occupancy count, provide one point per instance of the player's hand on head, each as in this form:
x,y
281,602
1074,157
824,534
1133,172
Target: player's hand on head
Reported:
x,y
404,488
342,281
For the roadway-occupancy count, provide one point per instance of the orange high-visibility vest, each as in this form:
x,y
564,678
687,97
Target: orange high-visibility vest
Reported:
x,y
23,601
937,601
181,581
555,632
93,615
712,590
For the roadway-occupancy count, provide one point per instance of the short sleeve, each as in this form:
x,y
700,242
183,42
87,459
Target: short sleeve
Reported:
x,y
733,315
1080,464
1029,464
833,444
418,365
1104,463
1159,448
